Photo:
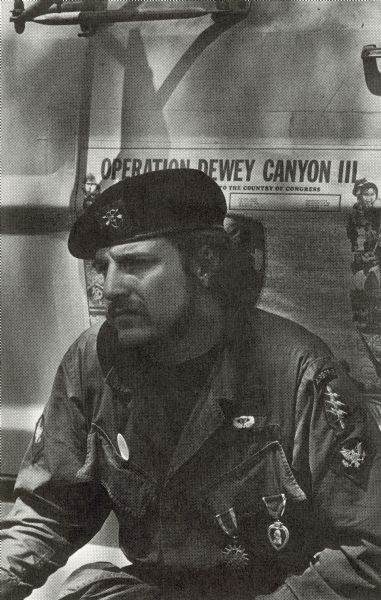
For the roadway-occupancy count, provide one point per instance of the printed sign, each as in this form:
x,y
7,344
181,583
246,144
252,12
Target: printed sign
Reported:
x,y
321,213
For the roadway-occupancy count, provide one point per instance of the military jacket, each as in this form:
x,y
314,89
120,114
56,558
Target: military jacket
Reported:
x,y
279,465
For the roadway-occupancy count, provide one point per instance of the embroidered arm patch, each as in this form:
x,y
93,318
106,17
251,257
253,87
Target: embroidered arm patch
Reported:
x,y
353,459
335,408
325,376
352,454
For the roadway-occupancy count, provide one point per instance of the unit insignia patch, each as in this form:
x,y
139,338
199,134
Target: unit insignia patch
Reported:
x,y
353,457
334,409
325,376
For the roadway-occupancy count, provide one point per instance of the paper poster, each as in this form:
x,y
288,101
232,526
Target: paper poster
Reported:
x,y
321,239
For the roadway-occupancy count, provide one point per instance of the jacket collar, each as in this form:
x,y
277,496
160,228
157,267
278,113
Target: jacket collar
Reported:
x,y
208,414
226,394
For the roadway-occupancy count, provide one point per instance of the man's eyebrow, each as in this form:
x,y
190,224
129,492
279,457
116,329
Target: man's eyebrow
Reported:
x,y
132,255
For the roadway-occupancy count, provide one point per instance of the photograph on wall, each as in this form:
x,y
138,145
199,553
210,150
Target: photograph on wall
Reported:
x,y
191,291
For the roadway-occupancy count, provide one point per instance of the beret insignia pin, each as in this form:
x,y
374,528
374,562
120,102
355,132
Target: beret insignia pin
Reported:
x,y
113,218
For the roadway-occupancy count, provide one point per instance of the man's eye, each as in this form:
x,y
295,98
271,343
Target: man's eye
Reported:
x,y
136,266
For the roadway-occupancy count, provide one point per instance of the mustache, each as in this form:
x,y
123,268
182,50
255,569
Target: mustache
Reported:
x,y
121,307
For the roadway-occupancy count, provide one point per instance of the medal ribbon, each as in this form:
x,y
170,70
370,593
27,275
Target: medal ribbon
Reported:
x,y
235,555
228,522
275,505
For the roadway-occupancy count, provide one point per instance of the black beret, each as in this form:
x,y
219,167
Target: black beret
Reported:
x,y
151,205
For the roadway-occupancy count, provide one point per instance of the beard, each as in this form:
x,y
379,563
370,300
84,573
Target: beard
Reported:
x,y
180,327
135,326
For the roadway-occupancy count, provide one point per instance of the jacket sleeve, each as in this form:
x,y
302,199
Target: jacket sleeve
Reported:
x,y
337,459
56,511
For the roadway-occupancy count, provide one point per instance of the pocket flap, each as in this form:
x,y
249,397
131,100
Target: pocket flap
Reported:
x,y
129,490
266,473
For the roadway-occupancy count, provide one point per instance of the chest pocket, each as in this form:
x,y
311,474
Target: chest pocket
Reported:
x,y
128,488
264,474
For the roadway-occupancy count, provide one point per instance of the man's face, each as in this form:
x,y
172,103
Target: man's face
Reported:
x,y
146,289
369,197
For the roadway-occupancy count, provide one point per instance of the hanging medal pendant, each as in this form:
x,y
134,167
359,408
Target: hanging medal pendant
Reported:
x,y
235,555
277,532
278,535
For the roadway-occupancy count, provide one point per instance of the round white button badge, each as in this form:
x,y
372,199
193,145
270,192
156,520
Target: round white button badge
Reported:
x,y
243,422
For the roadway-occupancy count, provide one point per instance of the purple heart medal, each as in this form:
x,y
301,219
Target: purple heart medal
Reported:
x,y
277,532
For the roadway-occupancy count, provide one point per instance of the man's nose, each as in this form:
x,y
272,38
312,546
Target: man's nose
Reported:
x,y
117,283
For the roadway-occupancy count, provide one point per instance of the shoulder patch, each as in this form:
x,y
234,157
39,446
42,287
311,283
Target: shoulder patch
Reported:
x,y
353,455
335,409
325,376
353,458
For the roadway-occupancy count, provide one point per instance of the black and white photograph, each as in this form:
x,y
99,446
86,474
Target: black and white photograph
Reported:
x,y
191,300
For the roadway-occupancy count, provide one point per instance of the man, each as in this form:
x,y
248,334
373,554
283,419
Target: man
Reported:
x,y
363,211
235,452
372,288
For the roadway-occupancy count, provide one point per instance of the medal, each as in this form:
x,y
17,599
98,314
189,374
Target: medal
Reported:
x,y
235,555
278,535
277,532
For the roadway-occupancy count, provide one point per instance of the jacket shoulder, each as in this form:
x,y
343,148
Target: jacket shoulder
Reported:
x,y
284,336
82,353
87,340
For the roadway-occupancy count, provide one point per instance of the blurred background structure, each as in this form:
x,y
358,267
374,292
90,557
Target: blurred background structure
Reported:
x,y
284,79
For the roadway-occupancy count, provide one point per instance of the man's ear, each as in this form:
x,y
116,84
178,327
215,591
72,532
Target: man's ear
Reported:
x,y
205,264
203,276
201,272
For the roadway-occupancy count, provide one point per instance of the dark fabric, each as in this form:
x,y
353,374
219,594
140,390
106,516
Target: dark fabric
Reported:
x,y
181,385
149,205
105,581
311,440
